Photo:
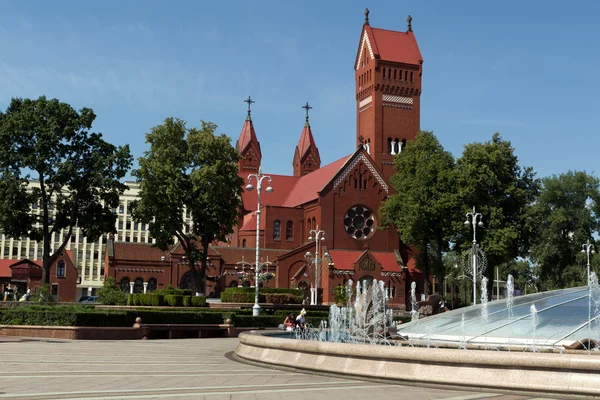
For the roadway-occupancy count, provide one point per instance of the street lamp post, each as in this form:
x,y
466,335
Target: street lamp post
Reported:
x,y
259,180
317,235
474,216
588,248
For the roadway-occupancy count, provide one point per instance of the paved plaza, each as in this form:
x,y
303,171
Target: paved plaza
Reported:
x,y
178,369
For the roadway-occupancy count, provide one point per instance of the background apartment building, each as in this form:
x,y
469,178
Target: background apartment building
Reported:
x,y
88,256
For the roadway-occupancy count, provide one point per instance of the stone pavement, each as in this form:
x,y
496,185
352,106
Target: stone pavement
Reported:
x,y
178,369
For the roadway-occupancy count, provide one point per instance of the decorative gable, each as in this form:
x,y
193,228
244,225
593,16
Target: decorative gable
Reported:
x,y
364,45
350,167
366,263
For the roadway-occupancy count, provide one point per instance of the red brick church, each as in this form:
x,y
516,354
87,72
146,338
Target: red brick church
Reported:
x,y
341,198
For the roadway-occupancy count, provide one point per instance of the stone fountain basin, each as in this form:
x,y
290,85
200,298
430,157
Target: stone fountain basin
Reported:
x,y
564,374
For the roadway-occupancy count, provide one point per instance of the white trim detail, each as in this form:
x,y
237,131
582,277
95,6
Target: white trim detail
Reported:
x,y
397,99
362,46
350,167
366,108
366,101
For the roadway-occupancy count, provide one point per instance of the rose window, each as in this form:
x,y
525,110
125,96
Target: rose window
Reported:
x,y
359,222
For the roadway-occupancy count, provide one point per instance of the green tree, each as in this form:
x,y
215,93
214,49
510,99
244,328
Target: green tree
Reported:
x,y
489,177
194,171
424,204
522,272
111,294
78,175
567,214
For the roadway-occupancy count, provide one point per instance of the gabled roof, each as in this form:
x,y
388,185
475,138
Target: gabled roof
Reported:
x,y
307,142
393,46
307,187
282,186
233,255
250,222
247,136
292,191
137,252
345,259
5,267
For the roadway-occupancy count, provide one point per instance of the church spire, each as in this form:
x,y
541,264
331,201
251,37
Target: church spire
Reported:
x,y
306,156
248,145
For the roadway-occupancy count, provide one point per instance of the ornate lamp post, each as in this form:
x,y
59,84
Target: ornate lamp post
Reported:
x,y
259,180
474,216
588,248
317,235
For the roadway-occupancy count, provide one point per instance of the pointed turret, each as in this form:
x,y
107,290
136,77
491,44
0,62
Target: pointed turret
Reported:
x,y
247,145
306,156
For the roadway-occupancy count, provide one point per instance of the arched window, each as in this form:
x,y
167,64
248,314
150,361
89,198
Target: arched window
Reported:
x,y
390,148
244,243
277,230
233,284
402,145
124,285
369,146
395,72
289,231
138,285
151,285
396,146
60,269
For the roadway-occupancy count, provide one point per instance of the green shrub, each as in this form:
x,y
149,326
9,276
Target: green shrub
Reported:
x,y
198,301
282,298
43,295
173,300
187,301
242,298
137,299
156,300
226,297
130,300
111,294
341,295
172,291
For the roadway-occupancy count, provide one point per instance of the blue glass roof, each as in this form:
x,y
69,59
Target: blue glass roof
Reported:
x,y
562,318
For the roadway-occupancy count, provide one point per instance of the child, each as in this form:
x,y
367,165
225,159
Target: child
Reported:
x,y
289,323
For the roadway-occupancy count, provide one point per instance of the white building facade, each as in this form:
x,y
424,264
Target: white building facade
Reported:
x,y
88,256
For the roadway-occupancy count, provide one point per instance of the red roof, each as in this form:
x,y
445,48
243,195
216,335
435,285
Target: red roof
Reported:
x,y
290,191
250,223
308,186
344,259
137,252
396,46
233,255
307,142
392,46
247,136
5,267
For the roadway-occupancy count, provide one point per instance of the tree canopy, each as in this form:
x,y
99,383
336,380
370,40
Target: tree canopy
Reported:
x,y
78,175
567,214
188,170
424,205
489,177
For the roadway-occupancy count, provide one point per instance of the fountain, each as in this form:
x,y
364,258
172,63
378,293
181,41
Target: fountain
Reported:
x,y
534,324
510,291
546,323
414,312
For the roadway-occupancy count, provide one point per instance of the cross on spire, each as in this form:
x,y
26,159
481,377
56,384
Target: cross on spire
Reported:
x,y
366,16
307,107
249,101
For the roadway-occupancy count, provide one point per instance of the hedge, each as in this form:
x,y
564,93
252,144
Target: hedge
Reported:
x,y
283,298
246,295
155,299
89,316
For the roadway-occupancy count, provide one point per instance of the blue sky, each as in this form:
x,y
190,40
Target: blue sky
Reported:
x,y
528,70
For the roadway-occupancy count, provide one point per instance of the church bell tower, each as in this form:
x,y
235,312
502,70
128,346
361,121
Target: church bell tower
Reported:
x,y
388,72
